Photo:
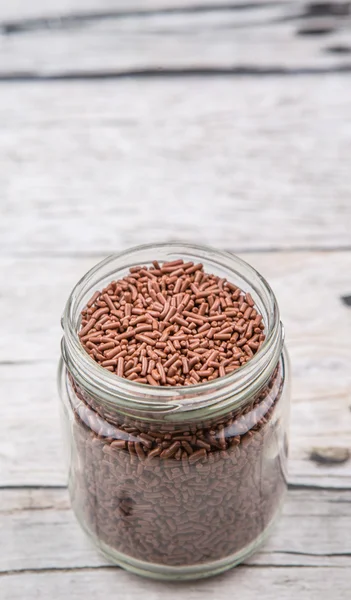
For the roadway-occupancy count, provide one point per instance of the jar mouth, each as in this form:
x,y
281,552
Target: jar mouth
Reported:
x,y
93,377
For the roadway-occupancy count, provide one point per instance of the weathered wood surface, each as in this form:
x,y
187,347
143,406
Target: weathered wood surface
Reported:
x,y
21,9
244,165
30,447
285,583
111,39
40,532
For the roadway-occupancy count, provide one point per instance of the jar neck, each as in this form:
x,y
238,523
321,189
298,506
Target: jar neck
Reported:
x,y
172,403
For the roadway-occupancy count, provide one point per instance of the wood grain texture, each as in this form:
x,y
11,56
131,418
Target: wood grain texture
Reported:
x,y
40,532
262,36
21,9
308,583
89,168
245,163
31,447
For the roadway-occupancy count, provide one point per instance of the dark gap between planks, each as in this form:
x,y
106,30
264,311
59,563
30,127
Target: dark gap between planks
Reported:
x,y
291,487
166,73
179,584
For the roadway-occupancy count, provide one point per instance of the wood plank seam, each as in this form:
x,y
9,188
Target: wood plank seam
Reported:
x,y
291,486
114,567
170,73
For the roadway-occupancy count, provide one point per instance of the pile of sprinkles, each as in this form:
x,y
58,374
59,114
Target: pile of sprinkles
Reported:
x,y
171,324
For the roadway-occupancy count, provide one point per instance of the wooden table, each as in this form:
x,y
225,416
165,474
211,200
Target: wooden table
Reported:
x,y
221,123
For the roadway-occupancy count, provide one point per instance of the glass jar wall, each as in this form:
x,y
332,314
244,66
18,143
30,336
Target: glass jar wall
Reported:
x,y
176,482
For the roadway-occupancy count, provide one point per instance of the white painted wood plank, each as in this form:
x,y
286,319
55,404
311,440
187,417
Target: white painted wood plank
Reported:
x,y
239,164
31,446
30,442
32,450
22,9
317,328
255,39
113,38
248,582
39,531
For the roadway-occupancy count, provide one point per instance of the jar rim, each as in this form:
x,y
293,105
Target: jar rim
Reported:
x,y
121,392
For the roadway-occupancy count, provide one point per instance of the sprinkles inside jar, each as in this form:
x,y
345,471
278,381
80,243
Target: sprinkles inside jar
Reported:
x,y
171,324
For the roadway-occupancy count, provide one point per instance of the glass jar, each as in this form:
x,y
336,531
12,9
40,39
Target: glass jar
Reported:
x,y
150,508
